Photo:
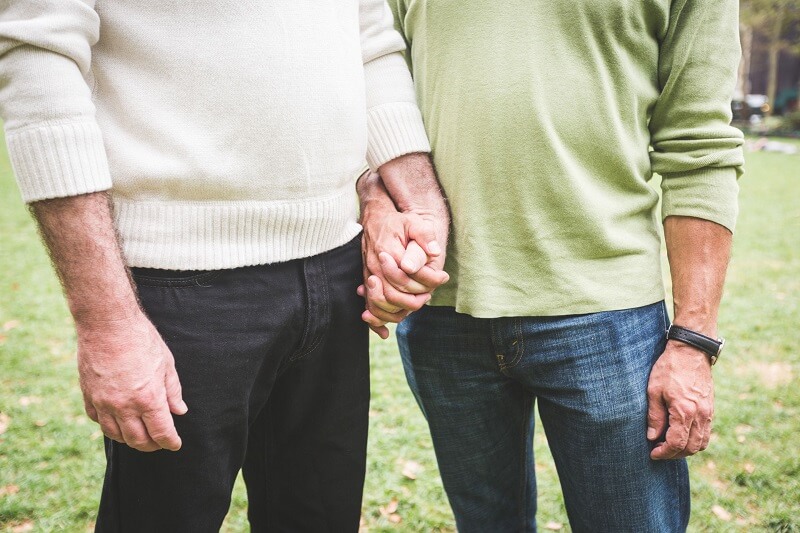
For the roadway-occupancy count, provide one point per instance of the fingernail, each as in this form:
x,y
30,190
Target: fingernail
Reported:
x,y
433,247
183,407
371,283
651,433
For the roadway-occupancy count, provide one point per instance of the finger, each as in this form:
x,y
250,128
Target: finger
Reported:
x,y
414,258
376,325
706,437
361,290
375,293
389,300
656,415
161,428
135,434
693,445
376,298
110,427
677,436
372,320
174,390
399,279
430,277
422,232
90,410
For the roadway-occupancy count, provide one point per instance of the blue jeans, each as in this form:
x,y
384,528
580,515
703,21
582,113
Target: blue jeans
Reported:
x,y
477,380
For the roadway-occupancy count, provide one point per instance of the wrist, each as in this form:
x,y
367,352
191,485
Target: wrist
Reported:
x,y
91,314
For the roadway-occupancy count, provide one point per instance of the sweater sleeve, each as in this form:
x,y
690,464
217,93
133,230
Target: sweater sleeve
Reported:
x,y
394,122
54,142
695,149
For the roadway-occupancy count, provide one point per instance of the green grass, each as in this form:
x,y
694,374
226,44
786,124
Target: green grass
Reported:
x,y
52,454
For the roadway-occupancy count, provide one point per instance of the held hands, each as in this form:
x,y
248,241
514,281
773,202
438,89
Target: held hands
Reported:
x,y
681,401
403,263
129,383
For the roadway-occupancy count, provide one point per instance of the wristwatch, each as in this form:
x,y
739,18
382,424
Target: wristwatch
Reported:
x,y
705,344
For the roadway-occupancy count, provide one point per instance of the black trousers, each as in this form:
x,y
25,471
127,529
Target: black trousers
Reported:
x,y
274,366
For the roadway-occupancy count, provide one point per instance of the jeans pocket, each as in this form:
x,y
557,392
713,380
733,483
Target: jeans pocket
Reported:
x,y
156,277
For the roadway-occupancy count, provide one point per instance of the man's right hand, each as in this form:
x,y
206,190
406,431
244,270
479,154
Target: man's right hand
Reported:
x,y
129,383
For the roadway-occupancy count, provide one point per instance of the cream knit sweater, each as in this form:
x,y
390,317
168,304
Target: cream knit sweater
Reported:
x,y
229,132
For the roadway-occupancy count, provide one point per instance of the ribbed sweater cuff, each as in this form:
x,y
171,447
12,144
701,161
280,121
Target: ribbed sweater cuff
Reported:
x,y
57,160
709,193
394,129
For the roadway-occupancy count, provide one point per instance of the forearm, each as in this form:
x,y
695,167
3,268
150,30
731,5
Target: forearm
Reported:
x,y
412,185
79,234
698,252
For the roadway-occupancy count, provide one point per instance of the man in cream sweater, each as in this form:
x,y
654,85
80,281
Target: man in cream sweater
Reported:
x,y
206,151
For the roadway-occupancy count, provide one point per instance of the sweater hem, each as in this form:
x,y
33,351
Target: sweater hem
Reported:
x,y
213,236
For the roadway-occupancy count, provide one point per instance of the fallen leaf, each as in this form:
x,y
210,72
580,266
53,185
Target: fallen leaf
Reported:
x,y
15,286
392,507
395,518
721,513
96,435
11,324
22,527
740,439
5,421
411,469
554,526
40,423
749,468
25,401
8,490
3,339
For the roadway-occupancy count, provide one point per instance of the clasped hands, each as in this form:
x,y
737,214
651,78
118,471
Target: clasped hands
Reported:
x,y
403,265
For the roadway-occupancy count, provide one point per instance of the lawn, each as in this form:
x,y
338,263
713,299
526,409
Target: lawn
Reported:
x,y
51,463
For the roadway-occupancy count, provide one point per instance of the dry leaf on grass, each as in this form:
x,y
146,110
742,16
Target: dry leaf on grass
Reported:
x,y
395,518
8,490
11,324
721,513
5,421
392,507
554,526
25,401
749,468
22,527
411,469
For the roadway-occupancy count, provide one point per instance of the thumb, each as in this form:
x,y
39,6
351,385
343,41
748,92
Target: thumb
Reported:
x,y
657,416
414,258
174,392
421,231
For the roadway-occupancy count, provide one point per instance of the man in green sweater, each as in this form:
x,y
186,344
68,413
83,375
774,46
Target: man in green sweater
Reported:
x,y
547,120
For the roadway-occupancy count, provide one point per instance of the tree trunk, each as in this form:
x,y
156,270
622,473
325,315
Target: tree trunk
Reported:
x,y
743,82
774,51
772,77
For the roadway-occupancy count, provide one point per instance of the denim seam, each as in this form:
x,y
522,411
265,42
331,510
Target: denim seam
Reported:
x,y
519,345
524,477
191,281
318,338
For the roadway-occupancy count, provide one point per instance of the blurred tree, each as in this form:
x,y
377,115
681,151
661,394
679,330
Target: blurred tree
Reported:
x,y
774,19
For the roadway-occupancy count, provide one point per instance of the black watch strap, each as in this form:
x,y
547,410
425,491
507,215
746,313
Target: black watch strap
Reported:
x,y
713,347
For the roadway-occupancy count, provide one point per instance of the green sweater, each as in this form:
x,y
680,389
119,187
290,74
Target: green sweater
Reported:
x,y
542,115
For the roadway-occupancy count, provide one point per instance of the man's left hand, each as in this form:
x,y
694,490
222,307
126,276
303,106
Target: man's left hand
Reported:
x,y
680,401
